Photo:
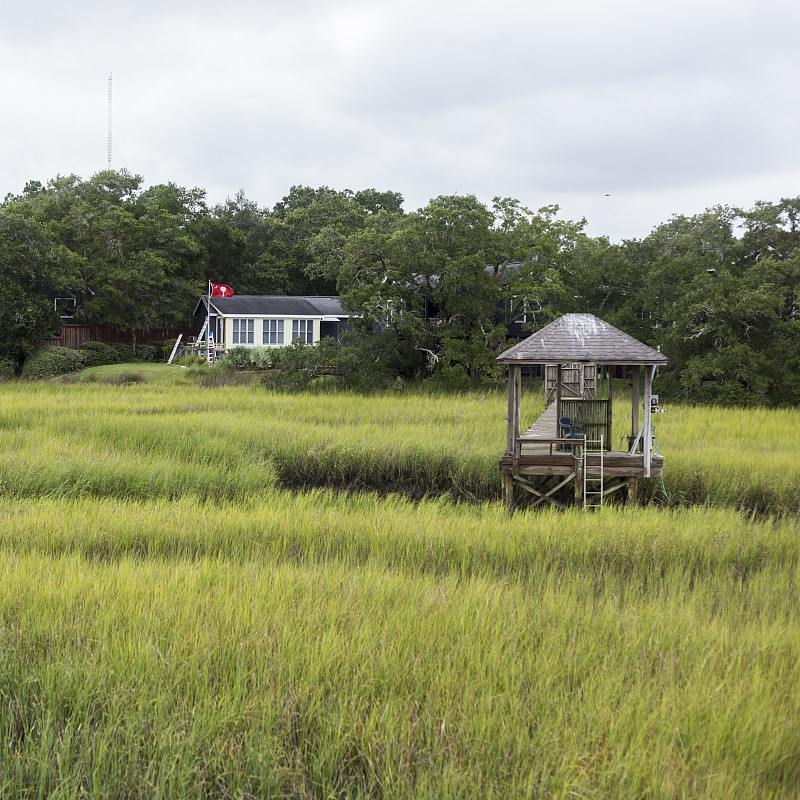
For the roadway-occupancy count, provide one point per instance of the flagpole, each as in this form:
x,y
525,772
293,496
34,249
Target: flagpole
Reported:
x,y
208,324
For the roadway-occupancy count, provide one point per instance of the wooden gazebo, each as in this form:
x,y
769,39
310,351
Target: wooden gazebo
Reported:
x,y
571,440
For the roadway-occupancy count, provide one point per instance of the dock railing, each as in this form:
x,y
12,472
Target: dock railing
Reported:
x,y
563,444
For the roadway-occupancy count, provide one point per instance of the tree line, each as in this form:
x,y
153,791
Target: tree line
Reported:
x,y
437,291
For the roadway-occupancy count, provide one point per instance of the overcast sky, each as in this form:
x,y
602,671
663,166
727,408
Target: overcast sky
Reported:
x,y
620,112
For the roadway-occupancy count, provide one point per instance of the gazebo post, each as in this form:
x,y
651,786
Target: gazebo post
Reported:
x,y
610,416
636,381
647,434
580,464
508,492
558,399
514,403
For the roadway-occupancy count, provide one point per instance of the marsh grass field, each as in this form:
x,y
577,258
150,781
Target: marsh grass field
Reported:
x,y
190,605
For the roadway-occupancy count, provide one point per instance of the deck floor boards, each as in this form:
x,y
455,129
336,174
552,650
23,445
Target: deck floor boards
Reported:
x,y
539,457
545,427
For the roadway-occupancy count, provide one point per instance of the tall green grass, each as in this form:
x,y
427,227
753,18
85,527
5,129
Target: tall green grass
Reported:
x,y
174,624
230,442
433,536
745,458
323,645
339,440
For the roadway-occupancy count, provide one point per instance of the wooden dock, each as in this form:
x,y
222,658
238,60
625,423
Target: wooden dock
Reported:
x,y
541,452
545,427
574,350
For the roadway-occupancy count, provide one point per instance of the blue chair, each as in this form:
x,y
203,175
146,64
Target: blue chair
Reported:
x,y
570,430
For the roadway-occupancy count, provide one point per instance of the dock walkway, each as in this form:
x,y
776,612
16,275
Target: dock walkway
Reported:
x,y
546,427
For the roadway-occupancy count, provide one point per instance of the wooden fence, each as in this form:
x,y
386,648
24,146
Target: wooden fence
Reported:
x,y
75,335
594,415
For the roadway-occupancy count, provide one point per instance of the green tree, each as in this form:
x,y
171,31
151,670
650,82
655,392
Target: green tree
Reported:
x,y
33,271
258,258
146,265
721,304
313,226
224,252
438,278
137,259
533,255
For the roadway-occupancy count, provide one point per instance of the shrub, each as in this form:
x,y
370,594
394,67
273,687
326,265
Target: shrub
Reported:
x,y
260,358
124,352
127,378
166,347
297,365
235,358
98,353
353,364
191,361
49,362
7,369
248,358
148,352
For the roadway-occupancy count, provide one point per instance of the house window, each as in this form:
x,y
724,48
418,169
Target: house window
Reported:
x,y
244,331
303,329
394,309
523,310
512,305
273,331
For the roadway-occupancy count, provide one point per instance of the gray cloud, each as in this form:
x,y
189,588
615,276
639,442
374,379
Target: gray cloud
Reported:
x,y
659,106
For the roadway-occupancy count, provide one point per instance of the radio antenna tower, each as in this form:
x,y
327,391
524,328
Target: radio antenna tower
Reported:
x,y
109,121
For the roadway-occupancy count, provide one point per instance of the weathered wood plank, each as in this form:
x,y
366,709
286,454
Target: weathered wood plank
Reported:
x,y
615,464
545,495
619,472
545,427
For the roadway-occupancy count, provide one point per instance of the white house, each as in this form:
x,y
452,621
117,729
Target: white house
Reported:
x,y
270,320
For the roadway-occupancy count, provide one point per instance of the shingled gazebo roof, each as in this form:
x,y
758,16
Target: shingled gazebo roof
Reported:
x,y
581,337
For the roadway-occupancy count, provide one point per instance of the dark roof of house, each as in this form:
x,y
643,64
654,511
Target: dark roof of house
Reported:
x,y
328,306
581,337
290,306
